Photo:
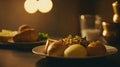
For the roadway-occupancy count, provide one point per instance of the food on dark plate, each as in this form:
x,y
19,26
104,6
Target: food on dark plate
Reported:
x,y
27,33
74,47
24,33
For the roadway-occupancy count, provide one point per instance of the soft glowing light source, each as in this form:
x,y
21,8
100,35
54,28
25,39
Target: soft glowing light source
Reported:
x,y
32,6
45,5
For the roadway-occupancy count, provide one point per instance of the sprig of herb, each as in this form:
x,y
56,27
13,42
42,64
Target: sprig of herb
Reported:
x,y
42,36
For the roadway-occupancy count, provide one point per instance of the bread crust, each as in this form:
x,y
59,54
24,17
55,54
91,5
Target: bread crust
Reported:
x,y
23,28
30,35
56,48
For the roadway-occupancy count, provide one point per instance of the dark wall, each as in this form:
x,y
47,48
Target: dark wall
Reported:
x,y
105,10
62,20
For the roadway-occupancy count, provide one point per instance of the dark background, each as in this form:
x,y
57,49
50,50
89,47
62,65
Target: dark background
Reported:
x,y
62,20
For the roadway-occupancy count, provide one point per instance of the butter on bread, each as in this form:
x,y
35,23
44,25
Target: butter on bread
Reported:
x,y
5,35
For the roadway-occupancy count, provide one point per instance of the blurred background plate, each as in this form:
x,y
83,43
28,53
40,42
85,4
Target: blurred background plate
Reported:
x,y
24,46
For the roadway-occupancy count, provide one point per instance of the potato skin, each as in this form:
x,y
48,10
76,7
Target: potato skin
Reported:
x,y
56,48
96,49
75,51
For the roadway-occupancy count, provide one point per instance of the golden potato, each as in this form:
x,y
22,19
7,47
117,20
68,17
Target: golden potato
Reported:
x,y
75,51
96,49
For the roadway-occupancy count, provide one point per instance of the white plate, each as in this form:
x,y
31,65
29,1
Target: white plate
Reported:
x,y
39,50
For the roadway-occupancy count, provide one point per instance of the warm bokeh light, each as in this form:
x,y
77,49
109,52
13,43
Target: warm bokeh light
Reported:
x,y
104,32
45,6
32,6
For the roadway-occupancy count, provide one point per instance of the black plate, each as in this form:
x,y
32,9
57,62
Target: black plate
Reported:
x,y
21,45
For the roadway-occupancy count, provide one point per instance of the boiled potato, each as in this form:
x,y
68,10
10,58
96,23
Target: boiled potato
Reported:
x,y
96,49
75,51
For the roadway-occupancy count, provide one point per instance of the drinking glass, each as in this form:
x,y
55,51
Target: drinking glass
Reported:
x,y
90,26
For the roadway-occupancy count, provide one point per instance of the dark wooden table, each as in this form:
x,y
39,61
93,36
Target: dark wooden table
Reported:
x,y
10,57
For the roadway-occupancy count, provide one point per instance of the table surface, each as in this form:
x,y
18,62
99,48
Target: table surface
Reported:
x,y
22,58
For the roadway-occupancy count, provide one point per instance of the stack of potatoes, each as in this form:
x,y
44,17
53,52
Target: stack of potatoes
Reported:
x,y
72,48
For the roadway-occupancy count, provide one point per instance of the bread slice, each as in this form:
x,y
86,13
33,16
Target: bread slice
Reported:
x,y
5,35
30,35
